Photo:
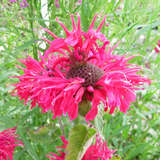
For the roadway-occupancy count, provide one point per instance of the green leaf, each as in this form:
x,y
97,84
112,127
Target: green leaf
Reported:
x,y
85,11
140,148
80,138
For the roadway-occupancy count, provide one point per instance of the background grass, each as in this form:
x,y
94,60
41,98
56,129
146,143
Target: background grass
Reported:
x,y
135,135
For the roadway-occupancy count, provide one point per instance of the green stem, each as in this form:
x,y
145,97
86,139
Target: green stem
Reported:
x,y
31,15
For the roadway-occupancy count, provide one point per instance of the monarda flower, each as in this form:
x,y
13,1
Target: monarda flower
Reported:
x,y
8,142
97,151
83,74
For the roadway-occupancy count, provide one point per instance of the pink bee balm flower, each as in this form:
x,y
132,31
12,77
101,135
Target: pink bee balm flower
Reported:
x,y
97,151
8,142
84,71
157,48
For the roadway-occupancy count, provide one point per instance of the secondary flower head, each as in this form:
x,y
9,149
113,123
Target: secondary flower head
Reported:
x,y
8,142
97,151
85,70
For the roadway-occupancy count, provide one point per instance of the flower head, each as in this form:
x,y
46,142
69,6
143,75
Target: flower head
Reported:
x,y
84,71
8,142
97,151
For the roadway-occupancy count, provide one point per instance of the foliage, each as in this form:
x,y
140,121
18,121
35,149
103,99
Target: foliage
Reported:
x,y
80,138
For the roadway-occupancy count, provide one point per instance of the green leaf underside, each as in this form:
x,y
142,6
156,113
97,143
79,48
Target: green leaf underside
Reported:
x,y
80,138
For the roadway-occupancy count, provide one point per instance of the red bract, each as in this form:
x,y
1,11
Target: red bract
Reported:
x,y
83,71
97,151
8,142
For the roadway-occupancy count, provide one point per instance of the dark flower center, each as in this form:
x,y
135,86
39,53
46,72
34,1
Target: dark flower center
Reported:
x,y
90,72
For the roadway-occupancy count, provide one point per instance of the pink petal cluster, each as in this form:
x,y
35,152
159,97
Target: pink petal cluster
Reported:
x,y
157,48
85,68
97,151
43,85
8,142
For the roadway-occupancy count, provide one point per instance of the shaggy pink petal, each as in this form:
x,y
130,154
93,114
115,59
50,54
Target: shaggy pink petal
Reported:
x,y
102,23
51,33
73,110
51,91
99,96
120,82
8,142
92,23
56,44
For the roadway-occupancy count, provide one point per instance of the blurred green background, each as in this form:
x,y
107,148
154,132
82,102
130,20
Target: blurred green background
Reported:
x,y
135,135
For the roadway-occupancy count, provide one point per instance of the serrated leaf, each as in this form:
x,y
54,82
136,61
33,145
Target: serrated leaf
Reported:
x,y
80,138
